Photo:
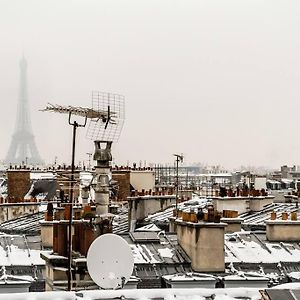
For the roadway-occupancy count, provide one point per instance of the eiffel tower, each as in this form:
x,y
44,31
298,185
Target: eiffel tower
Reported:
x,y
22,147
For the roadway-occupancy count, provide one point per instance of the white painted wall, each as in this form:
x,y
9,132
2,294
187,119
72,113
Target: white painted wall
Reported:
x,y
240,204
142,179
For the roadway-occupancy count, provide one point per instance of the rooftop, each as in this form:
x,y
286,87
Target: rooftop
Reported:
x,y
161,294
256,220
19,251
28,224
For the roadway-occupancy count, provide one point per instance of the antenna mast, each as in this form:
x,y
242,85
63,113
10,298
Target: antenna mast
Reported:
x,y
179,158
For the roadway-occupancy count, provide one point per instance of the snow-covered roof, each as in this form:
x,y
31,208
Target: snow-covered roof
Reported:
x,y
253,248
27,224
286,180
163,251
193,276
149,227
164,294
120,222
295,275
273,181
258,218
190,277
163,216
42,175
15,251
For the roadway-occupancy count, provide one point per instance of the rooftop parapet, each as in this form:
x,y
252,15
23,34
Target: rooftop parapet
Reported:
x,y
283,230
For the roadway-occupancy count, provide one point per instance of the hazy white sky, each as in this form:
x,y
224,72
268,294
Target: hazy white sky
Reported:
x,y
215,80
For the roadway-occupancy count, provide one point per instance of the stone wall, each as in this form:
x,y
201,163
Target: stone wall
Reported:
x,y
18,183
123,179
233,224
283,230
47,234
142,179
257,204
204,244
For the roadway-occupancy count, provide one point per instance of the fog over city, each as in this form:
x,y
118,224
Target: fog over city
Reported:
x,y
215,80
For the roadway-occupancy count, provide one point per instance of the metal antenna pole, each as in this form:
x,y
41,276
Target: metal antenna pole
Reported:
x,y
178,158
75,125
177,182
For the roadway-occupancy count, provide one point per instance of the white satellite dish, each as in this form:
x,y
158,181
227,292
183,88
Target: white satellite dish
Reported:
x,y
110,261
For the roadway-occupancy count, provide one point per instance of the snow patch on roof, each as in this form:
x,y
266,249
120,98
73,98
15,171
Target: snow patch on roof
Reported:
x,y
238,249
142,255
166,252
149,227
295,275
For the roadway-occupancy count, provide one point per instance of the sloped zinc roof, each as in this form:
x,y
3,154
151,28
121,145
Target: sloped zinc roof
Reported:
x,y
19,251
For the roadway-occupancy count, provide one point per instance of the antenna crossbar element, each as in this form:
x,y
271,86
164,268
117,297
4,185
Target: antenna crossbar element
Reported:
x,y
82,111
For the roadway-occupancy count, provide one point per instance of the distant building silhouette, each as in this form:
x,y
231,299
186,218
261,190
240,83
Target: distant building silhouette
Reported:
x,y
23,149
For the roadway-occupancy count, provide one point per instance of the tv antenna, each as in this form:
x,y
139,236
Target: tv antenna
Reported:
x,y
110,261
106,116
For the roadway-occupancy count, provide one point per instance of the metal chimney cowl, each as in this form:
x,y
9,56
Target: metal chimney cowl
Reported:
x,y
103,155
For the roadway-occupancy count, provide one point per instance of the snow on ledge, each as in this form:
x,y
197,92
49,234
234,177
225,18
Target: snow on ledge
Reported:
x,y
168,294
